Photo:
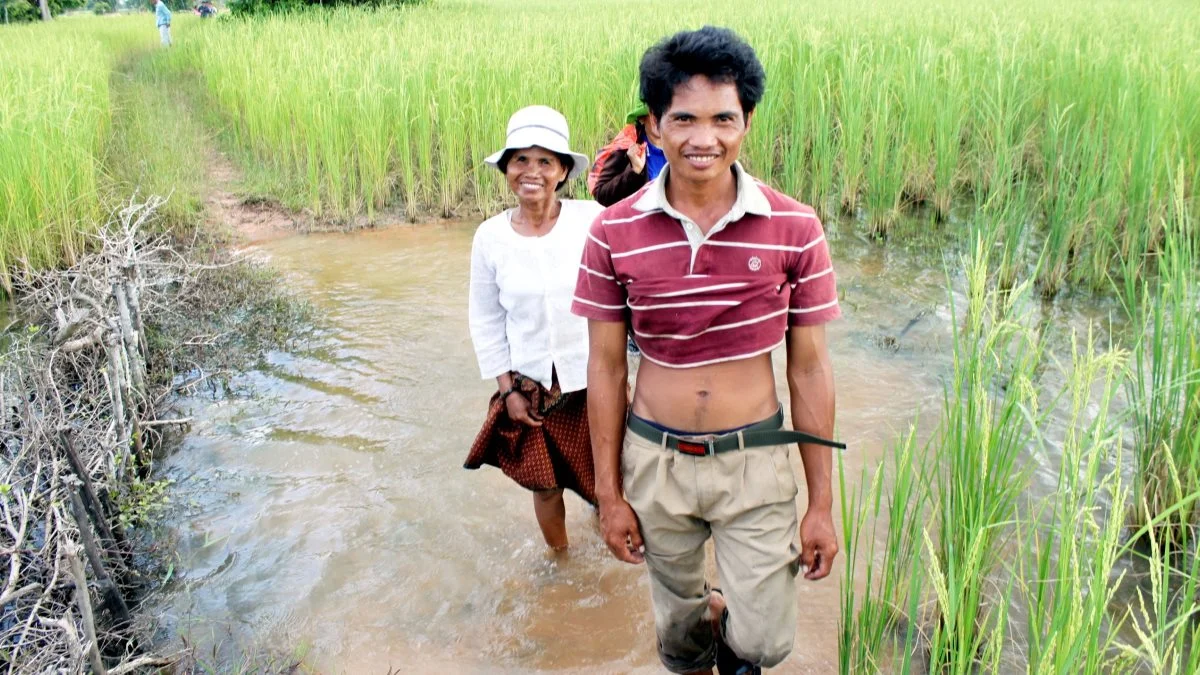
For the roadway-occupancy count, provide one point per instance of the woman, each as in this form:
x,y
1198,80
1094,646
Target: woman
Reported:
x,y
524,265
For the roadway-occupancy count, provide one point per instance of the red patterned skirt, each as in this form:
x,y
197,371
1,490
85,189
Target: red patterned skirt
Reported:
x,y
556,455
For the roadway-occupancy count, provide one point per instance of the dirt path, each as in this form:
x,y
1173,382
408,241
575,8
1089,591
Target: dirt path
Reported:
x,y
251,221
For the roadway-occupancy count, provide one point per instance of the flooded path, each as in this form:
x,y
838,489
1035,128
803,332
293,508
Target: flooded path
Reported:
x,y
330,508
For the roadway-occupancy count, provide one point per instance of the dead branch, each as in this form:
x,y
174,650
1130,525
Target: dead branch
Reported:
x,y
73,390
85,610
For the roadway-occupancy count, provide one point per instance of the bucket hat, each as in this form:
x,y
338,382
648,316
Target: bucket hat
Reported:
x,y
544,127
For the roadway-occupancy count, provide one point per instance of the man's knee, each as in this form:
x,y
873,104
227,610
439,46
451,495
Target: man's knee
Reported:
x,y
764,645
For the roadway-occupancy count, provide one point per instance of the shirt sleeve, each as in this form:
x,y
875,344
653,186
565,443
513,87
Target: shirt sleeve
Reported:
x,y
814,288
598,293
487,317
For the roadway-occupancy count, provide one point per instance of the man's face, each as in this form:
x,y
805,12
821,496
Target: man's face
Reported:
x,y
701,131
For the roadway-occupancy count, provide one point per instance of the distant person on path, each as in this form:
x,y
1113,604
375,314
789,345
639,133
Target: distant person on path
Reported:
x,y
523,267
630,161
206,10
715,271
162,17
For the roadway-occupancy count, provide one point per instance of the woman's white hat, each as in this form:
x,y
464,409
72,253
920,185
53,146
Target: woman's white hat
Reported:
x,y
544,127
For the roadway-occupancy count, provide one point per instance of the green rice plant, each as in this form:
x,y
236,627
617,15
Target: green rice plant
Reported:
x,y
1164,389
823,158
797,107
854,98
764,148
989,416
887,612
1003,129
949,127
917,90
347,111
1068,195
55,117
1071,546
885,171
342,113
1168,630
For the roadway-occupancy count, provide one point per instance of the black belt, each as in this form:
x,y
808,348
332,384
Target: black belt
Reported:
x,y
761,434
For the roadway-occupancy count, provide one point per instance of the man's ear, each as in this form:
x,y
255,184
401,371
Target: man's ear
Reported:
x,y
749,116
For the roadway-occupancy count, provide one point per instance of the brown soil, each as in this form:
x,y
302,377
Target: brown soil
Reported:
x,y
250,221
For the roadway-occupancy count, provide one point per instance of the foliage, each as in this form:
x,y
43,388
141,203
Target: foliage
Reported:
x,y
251,7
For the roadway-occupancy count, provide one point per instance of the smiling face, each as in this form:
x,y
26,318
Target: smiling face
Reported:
x,y
701,131
534,173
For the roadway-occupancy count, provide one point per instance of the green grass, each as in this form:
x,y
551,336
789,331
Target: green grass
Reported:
x,y
157,146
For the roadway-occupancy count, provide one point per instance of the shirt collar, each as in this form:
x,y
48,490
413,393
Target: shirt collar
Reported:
x,y
750,199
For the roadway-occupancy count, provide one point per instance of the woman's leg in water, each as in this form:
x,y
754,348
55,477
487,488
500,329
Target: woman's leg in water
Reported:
x,y
552,517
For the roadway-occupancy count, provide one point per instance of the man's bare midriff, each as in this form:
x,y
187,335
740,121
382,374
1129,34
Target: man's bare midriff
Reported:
x,y
707,398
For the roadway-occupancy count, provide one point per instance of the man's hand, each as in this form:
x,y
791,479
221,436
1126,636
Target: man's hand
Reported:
x,y
818,543
637,157
619,525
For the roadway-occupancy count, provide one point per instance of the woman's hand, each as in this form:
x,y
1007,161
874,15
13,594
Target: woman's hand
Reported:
x,y
520,410
637,157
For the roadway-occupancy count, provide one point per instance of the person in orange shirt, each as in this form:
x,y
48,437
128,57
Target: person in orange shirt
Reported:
x,y
631,160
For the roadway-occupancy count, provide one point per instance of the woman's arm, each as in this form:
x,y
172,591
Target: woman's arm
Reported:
x,y
489,333
486,316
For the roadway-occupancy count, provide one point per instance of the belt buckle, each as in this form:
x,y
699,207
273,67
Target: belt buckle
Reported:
x,y
698,446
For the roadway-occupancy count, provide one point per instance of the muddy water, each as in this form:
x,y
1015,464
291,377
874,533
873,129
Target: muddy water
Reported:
x,y
328,511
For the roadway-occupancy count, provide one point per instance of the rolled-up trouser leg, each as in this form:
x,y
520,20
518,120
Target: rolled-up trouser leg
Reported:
x,y
757,554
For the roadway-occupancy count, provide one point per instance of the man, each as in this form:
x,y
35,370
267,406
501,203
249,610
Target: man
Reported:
x,y
162,17
714,270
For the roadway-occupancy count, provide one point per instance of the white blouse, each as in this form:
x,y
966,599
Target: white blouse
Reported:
x,y
520,298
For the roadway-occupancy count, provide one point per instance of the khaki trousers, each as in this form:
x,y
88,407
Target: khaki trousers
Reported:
x,y
744,500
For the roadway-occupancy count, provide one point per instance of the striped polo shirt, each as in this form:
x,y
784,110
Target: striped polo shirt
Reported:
x,y
694,299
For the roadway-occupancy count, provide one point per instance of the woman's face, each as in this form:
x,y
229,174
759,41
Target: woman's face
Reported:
x,y
534,173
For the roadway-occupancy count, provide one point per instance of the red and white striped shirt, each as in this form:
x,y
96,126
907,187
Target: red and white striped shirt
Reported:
x,y
696,299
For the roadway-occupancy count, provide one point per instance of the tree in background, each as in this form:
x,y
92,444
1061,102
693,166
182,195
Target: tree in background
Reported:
x,y
21,11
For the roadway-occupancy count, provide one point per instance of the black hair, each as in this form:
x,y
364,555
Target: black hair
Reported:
x,y
567,161
716,53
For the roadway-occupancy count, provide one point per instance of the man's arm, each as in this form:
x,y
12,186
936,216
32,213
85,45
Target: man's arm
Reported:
x,y
607,402
810,382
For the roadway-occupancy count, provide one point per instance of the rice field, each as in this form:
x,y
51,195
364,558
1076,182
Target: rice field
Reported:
x,y
1077,119
973,575
56,124
1057,143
